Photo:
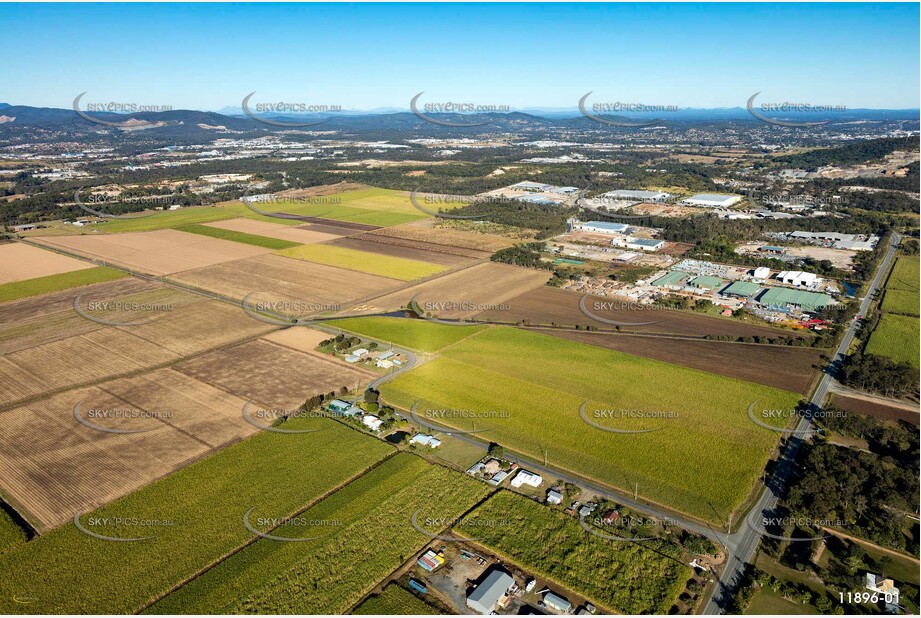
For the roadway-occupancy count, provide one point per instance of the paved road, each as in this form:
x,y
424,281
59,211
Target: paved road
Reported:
x,y
744,543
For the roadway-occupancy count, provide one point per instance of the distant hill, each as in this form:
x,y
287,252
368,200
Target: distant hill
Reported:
x,y
850,154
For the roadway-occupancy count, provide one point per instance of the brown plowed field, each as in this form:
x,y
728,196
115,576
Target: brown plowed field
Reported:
x,y
879,409
287,279
321,224
54,466
785,367
465,291
426,231
273,230
160,252
545,305
412,250
19,262
272,375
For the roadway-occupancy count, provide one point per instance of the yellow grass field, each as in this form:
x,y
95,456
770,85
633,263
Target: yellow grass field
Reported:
x,y
362,261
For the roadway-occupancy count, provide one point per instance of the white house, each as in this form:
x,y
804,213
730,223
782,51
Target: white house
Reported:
x,y
424,440
372,422
526,478
554,497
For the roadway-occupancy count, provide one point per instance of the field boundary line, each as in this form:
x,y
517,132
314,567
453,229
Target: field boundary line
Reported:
x,y
256,537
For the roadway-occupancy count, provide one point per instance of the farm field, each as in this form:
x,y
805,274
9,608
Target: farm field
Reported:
x,y
398,268
157,253
287,280
265,242
53,283
396,247
630,578
861,403
904,302
429,231
301,339
198,508
545,305
271,374
11,533
904,274
368,534
19,262
395,600
54,466
297,235
418,335
896,336
462,293
785,367
703,458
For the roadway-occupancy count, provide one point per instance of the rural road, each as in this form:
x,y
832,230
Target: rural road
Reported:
x,y
744,543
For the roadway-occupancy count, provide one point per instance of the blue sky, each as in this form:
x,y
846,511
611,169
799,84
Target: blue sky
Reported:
x,y
363,56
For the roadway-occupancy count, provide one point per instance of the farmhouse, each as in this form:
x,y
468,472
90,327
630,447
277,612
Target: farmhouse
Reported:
x,y
372,422
554,497
487,594
423,440
526,478
712,200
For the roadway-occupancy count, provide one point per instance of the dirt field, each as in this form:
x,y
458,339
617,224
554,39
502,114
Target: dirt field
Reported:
x,y
545,305
273,230
270,374
482,284
19,262
841,258
426,231
288,279
874,407
412,250
161,252
53,466
300,339
788,368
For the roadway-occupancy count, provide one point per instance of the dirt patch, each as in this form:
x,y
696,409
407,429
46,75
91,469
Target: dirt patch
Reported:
x,y
342,227
271,374
287,279
463,293
274,230
54,466
547,306
787,368
397,247
872,407
19,262
161,252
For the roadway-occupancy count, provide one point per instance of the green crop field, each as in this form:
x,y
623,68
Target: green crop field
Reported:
x,y
896,336
395,600
627,577
61,281
11,533
359,535
249,239
525,390
904,302
416,334
195,516
904,274
362,261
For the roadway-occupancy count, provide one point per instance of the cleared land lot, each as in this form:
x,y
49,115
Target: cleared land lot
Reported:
x,y
904,302
904,274
204,505
372,537
273,230
544,306
785,367
398,268
287,279
161,252
463,293
428,231
703,458
53,466
411,250
861,403
19,262
271,374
